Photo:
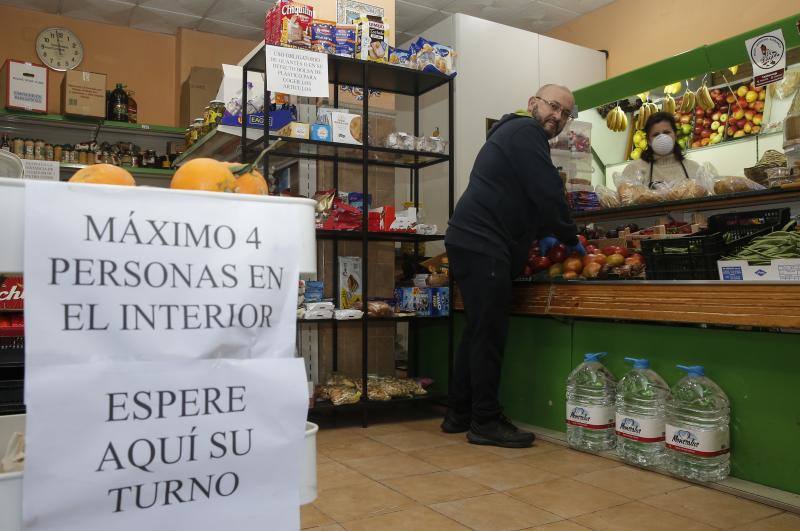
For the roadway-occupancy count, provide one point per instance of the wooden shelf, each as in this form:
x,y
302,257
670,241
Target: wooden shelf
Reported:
x,y
760,304
715,202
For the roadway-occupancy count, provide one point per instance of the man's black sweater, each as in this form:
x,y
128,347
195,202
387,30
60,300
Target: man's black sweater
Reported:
x,y
514,195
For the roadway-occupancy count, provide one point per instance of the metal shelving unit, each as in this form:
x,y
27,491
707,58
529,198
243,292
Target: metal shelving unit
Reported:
x,y
365,75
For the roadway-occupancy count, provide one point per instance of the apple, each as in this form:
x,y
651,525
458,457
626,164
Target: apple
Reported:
x,y
738,134
742,103
615,260
555,270
741,91
757,119
573,264
716,116
756,129
570,275
724,108
685,119
749,114
615,249
698,130
762,95
540,263
591,249
699,112
758,106
740,123
706,133
686,128
748,128
715,125
731,130
723,118
695,145
706,122
704,142
557,254
592,270
738,115
594,258
751,96
730,98
634,259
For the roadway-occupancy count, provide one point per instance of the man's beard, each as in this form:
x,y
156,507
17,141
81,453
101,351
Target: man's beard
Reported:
x,y
551,126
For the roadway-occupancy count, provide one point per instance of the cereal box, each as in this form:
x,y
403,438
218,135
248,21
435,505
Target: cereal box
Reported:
x,y
323,36
350,291
372,39
289,23
345,37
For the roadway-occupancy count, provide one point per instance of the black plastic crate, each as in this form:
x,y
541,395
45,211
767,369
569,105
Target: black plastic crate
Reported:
x,y
695,257
762,218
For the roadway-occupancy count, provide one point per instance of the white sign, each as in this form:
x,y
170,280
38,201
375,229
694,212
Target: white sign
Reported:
x,y
41,170
767,52
297,72
161,387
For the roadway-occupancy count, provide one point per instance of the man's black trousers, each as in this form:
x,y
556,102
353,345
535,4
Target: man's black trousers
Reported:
x,y
485,285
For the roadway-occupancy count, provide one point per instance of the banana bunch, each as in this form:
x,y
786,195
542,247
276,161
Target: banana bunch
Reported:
x,y
673,88
616,120
687,102
647,110
704,100
668,105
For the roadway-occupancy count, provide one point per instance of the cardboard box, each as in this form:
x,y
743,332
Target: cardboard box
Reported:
x,y
83,94
347,128
197,91
787,270
295,130
321,132
350,290
424,302
23,86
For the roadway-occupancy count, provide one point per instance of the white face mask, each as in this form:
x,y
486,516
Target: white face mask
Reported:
x,y
663,144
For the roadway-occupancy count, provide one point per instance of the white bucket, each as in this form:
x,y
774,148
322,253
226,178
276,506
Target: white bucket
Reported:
x,y
11,483
308,481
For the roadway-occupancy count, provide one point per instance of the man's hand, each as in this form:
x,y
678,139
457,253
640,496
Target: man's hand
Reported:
x,y
576,249
547,243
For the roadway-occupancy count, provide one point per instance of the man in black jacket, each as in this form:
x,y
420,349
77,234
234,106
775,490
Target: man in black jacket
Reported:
x,y
514,196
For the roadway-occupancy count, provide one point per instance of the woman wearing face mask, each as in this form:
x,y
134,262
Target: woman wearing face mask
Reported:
x,y
662,163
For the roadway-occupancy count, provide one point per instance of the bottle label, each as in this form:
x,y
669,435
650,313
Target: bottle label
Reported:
x,y
591,417
702,443
641,429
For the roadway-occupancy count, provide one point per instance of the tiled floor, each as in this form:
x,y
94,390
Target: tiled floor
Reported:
x,y
408,476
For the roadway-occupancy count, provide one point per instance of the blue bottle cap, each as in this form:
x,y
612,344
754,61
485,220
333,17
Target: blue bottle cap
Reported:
x,y
639,363
594,356
694,370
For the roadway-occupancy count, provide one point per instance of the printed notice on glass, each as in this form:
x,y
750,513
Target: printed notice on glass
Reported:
x,y
41,170
297,72
161,387
767,52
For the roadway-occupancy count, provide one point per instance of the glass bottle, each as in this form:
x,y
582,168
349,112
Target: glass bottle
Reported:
x,y
133,108
119,104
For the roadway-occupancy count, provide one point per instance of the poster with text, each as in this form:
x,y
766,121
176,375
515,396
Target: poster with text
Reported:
x,y
161,387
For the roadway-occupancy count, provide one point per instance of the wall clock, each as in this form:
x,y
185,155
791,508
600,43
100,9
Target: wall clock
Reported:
x,y
59,48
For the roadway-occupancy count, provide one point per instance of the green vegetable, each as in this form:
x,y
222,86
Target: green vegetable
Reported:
x,y
777,245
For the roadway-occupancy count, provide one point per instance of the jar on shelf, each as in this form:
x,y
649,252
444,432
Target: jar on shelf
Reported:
x,y
49,152
200,127
29,149
125,159
38,149
58,151
83,157
66,154
187,136
149,160
18,147
217,112
98,157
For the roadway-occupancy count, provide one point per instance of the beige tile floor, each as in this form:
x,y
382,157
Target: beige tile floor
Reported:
x,y
408,476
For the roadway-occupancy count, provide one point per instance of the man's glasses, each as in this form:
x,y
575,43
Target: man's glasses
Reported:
x,y
561,111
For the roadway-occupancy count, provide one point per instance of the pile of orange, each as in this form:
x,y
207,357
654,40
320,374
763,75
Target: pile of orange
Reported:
x,y
197,174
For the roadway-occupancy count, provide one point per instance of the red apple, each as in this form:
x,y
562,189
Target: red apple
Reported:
x,y
724,108
740,123
758,106
685,119
762,95
698,130
757,119
540,263
730,98
582,239
591,249
695,145
756,129
738,134
707,122
731,130
704,142
706,133
715,116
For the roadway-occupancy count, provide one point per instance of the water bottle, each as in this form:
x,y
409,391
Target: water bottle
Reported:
x,y
590,405
698,428
640,407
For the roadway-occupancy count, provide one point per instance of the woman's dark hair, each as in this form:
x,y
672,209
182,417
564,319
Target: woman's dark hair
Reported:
x,y
657,118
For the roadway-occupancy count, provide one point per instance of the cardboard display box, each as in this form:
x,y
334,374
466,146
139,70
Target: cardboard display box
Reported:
x,y
84,94
197,91
23,86
787,270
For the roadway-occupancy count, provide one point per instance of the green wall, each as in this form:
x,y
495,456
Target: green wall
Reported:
x,y
759,371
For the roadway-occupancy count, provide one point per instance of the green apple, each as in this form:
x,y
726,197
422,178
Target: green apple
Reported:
x,y
686,128
714,126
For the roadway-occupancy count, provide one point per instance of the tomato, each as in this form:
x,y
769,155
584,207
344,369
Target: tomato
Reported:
x,y
573,264
594,259
592,270
615,249
591,249
540,263
615,259
558,253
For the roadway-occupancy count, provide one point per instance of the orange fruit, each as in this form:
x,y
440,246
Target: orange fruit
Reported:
x,y
103,174
252,183
204,174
